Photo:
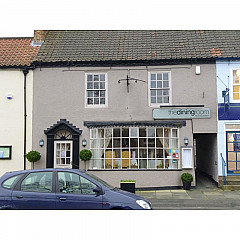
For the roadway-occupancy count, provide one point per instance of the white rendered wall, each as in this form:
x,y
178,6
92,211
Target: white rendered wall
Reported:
x,y
12,117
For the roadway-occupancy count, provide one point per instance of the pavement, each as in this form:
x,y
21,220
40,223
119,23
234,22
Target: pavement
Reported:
x,y
205,196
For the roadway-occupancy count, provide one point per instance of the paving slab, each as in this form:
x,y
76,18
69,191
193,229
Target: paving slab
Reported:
x,y
206,196
178,191
212,193
163,194
163,191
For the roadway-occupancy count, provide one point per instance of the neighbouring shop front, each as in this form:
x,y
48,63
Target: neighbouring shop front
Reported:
x,y
233,149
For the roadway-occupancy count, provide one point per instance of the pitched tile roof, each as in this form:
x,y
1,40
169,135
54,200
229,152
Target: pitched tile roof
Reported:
x,y
16,52
137,45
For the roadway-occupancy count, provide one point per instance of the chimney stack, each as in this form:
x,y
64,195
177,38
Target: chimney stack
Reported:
x,y
39,36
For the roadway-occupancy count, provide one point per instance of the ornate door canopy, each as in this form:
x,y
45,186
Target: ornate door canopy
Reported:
x,y
63,124
62,130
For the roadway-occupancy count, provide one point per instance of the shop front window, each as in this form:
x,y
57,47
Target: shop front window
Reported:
x,y
134,148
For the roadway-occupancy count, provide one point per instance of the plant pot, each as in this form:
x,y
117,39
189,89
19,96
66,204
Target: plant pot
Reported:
x,y
186,185
128,186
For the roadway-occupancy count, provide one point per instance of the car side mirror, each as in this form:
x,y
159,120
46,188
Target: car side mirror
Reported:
x,y
98,191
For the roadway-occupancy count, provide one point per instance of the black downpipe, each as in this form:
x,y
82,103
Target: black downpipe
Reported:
x,y
25,72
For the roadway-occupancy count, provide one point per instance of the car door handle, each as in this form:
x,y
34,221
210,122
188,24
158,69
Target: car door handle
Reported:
x,y
63,199
19,196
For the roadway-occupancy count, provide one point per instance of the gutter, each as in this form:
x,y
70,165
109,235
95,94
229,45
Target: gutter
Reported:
x,y
111,63
25,72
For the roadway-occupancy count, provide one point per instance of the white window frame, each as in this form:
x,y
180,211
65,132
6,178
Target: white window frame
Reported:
x,y
106,91
55,155
147,148
149,89
231,86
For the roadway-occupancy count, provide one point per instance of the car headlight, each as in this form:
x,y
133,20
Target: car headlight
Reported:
x,y
143,204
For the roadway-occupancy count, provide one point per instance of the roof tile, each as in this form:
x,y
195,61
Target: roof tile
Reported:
x,y
16,52
112,45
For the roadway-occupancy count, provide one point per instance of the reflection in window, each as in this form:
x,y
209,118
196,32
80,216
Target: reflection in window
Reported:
x,y
11,182
236,85
37,182
159,88
72,183
96,89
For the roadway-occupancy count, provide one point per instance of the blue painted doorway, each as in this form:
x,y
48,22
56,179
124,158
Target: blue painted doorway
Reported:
x,y
233,152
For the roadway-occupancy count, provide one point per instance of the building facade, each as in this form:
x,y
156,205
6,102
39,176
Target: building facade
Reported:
x,y
147,114
228,75
16,80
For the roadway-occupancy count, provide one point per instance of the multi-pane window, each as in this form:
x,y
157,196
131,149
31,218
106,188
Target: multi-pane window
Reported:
x,y
236,85
96,89
159,88
63,153
135,148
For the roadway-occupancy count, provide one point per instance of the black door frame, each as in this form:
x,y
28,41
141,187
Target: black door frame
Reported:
x,y
63,124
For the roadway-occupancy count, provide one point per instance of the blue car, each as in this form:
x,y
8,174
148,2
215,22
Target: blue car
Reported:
x,y
63,189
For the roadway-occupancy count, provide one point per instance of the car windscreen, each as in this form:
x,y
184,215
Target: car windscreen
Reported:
x,y
105,184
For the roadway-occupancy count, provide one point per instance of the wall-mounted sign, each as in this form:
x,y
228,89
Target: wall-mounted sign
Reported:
x,y
187,158
5,152
181,113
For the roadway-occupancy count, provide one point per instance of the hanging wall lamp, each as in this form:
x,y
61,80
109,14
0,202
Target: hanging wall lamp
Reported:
x,y
41,143
84,142
186,141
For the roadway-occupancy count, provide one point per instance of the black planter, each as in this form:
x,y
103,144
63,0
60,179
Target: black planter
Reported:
x,y
186,185
128,186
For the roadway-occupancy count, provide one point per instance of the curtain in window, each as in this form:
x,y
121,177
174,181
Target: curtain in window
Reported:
x,y
98,151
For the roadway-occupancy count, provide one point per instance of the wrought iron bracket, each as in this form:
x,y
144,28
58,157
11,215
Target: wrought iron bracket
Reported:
x,y
128,79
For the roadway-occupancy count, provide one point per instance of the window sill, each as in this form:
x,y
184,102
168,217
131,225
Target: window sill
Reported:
x,y
96,106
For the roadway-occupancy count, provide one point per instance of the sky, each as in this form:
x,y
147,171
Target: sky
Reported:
x,y
20,18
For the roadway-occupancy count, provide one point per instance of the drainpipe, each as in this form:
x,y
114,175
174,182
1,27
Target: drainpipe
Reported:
x,y
25,72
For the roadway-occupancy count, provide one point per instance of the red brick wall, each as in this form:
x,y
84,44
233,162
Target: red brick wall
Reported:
x,y
39,35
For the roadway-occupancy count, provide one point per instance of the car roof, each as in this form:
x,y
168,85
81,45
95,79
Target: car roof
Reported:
x,y
43,169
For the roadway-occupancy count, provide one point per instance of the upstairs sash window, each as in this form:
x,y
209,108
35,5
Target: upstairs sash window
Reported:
x,y
96,90
159,87
236,85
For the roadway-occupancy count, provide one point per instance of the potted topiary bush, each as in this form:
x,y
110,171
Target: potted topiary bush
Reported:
x,y
128,185
85,155
187,179
33,156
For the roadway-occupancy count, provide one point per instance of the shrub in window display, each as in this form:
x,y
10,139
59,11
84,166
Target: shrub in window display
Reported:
x,y
85,155
33,156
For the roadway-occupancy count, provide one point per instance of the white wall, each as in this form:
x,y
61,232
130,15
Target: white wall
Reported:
x,y
12,117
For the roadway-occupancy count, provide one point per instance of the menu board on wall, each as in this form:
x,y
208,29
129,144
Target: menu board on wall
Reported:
x,y
5,152
187,158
